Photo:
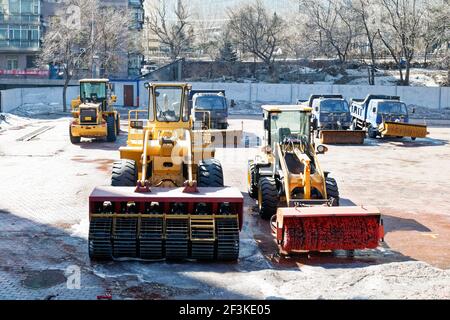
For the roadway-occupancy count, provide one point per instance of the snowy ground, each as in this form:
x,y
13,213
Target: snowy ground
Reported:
x,y
43,227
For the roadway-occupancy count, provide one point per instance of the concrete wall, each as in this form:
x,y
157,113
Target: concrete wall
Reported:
x,y
252,93
435,98
14,98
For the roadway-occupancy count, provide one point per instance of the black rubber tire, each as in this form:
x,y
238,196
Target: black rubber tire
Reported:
x,y
267,198
210,174
372,133
252,187
118,125
111,129
413,138
333,191
124,173
73,140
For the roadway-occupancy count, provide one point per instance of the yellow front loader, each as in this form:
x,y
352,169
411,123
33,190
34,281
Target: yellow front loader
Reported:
x,y
300,198
167,198
93,112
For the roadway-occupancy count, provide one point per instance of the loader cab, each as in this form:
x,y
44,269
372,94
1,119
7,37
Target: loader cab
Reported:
x,y
286,122
168,104
96,91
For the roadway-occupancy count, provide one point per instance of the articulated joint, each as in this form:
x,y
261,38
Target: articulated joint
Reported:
x,y
143,187
190,187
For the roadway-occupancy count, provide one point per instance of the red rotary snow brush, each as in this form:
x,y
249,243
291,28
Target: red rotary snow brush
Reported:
x,y
328,228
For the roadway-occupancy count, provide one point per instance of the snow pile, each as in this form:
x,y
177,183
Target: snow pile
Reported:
x,y
8,120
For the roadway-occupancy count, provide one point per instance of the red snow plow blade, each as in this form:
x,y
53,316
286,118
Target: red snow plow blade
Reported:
x,y
328,228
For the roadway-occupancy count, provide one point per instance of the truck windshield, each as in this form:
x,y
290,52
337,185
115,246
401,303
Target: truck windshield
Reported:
x,y
168,104
334,106
210,103
93,91
290,124
392,108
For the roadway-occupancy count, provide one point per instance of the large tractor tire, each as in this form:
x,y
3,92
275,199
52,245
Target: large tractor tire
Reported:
x,y
210,174
124,174
73,140
252,186
267,198
333,191
111,129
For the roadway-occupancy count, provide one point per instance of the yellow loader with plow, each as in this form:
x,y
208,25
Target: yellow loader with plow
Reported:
x,y
300,199
167,198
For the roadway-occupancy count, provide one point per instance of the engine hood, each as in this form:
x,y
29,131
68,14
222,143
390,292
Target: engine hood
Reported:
x,y
90,105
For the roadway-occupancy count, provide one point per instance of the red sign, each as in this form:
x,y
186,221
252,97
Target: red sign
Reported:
x,y
41,73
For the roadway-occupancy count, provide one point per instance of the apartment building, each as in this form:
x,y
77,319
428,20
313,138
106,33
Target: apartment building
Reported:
x,y
23,24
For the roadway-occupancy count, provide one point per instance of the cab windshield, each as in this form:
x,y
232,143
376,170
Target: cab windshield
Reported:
x,y
210,103
290,124
93,91
392,108
334,106
168,104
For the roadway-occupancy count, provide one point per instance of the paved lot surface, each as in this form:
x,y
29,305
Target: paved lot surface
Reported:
x,y
45,182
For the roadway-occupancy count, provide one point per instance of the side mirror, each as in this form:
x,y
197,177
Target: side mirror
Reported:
x,y
146,85
374,110
232,103
321,149
414,110
317,109
266,124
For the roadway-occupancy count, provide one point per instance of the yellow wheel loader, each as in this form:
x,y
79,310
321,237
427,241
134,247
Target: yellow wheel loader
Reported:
x,y
167,198
300,198
93,113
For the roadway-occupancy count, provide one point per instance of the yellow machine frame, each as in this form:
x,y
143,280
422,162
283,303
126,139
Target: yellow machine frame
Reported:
x,y
305,180
98,129
165,145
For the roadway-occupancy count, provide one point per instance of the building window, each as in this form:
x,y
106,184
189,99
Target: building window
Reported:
x,y
13,63
14,6
31,62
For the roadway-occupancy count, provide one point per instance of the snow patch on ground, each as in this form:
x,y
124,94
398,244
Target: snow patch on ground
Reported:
x,y
8,121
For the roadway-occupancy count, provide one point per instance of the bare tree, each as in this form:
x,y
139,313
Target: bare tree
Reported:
x,y
177,34
366,12
112,38
64,44
332,25
206,39
255,30
438,34
399,31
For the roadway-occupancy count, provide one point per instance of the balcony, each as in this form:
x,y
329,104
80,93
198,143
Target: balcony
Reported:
x,y
19,45
20,19
135,3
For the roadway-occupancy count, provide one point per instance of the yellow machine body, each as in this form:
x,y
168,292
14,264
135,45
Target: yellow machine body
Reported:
x,y
90,116
165,145
167,199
